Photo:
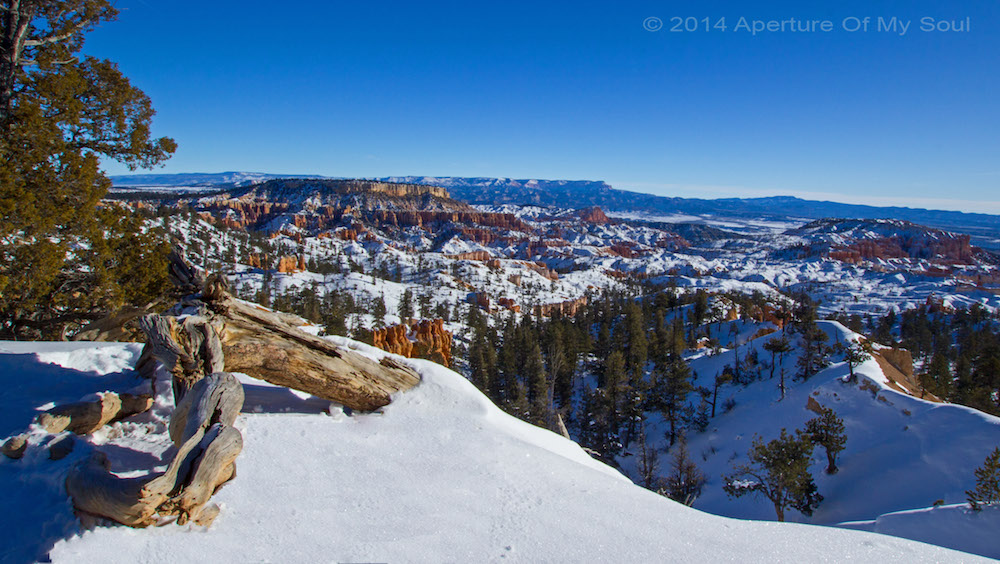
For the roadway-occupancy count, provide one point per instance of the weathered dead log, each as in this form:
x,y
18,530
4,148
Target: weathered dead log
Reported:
x,y
189,350
228,334
261,344
84,418
205,460
216,398
96,491
121,326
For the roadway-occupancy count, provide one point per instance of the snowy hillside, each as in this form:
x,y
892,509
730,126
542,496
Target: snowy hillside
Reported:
x,y
440,475
901,452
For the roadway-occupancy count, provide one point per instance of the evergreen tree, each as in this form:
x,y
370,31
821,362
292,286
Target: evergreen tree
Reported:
x,y
827,431
685,481
63,260
669,394
538,387
635,340
937,378
855,354
406,306
379,311
987,489
814,352
779,471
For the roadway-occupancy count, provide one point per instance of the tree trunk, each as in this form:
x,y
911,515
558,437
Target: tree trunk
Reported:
x,y
84,418
208,445
268,346
831,466
261,344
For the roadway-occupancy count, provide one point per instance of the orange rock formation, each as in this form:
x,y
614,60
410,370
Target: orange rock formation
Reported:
x,y
424,339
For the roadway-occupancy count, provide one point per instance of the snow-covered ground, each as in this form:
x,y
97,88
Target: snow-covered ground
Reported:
x,y
440,475
902,453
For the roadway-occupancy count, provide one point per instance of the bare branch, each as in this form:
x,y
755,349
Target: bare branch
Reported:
x,y
57,38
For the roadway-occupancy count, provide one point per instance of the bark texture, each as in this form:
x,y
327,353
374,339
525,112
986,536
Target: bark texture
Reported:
x,y
208,444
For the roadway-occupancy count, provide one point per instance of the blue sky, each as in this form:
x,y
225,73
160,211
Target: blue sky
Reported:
x,y
580,90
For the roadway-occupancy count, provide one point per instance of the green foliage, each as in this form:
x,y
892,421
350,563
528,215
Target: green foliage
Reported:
x,y
63,259
671,386
814,352
827,431
779,471
406,306
855,354
987,489
685,481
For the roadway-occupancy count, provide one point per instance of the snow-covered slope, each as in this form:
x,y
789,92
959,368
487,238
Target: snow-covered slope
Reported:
x,y
440,475
902,453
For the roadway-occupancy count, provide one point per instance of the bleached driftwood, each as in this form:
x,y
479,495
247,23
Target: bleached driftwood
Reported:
x,y
83,418
262,345
189,349
208,445
269,346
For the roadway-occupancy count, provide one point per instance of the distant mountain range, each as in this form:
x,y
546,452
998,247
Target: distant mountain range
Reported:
x,y
984,228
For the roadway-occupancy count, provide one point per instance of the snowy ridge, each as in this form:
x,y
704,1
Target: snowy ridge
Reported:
x,y
439,475
902,453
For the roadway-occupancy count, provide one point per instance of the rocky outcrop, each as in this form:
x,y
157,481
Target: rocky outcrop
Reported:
x,y
542,269
289,265
482,300
509,304
625,250
593,215
561,309
944,248
481,256
407,218
900,359
424,339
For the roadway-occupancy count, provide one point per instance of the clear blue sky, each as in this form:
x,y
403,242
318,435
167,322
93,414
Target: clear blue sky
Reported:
x,y
579,90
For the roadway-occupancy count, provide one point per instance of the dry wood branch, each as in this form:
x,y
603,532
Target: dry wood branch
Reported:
x,y
208,447
84,418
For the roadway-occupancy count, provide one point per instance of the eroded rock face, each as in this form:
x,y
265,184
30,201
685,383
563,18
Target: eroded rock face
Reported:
x,y
593,215
561,309
423,339
288,265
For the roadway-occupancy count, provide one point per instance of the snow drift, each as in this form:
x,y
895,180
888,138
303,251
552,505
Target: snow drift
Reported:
x,y
440,475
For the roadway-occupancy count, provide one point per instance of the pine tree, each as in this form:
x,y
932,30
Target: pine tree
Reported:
x,y
814,352
987,489
855,354
635,340
406,306
827,431
779,471
614,383
538,387
669,394
778,346
60,113
937,378
685,481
